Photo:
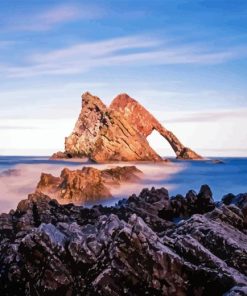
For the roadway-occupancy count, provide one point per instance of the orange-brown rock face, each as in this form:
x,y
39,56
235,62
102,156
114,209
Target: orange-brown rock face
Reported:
x,y
117,133
104,135
145,123
84,185
79,185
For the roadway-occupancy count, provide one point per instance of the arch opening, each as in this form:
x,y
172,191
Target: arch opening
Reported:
x,y
160,144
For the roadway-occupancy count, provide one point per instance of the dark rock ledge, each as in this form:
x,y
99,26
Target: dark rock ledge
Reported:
x,y
147,245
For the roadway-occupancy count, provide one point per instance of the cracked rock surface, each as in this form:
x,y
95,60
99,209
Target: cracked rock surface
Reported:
x,y
150,244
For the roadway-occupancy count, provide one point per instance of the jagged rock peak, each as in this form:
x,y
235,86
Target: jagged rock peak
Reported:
x,y
88,98
117,133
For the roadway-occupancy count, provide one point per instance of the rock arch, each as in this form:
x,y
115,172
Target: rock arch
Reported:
x,y
117,132
145,123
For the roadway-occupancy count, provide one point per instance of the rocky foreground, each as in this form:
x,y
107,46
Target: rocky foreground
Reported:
x,y
117,133
147,245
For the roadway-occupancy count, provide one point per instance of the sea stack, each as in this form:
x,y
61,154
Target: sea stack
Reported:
x,y
117,133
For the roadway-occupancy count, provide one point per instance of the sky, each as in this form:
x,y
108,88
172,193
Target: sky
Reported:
x,y
184,60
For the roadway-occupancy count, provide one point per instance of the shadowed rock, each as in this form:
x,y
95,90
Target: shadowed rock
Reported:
x,y
117,133
52,249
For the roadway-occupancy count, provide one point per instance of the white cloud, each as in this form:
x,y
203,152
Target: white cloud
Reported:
x,y
167,99
81,57
54,16
208,116
97,49
62,100
121,51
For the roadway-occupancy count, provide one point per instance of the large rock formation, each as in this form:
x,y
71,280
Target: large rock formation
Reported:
x,y
117,133
104,135
86,185
131,249
145,123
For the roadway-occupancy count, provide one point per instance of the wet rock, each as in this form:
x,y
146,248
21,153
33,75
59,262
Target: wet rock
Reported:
x,y
60,154
237,291
51,249
228,198
239,200
183,207
217,237
217,161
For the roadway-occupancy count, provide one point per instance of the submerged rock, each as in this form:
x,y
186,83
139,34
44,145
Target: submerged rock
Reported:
x,y
117,133
10,173
61,155
52,249
86,185
217,161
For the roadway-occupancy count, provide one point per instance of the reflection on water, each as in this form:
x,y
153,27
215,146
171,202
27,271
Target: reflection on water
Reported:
x,y
176,176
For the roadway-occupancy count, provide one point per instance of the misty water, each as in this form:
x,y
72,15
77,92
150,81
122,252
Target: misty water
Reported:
x,y
177,176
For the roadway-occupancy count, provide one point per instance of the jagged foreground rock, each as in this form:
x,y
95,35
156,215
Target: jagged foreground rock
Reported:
x,y
117,133
135,248
86,185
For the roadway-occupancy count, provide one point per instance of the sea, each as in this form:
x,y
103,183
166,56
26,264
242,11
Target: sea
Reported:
x,y
19,176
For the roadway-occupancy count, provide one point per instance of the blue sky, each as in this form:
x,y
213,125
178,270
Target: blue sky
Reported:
x,y
185,60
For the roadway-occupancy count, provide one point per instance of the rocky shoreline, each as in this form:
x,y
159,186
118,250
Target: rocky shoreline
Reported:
x,y
150,244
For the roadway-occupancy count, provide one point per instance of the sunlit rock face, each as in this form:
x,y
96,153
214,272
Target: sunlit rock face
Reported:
x,y
117,133
86,185
104,135
144,122
131,249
